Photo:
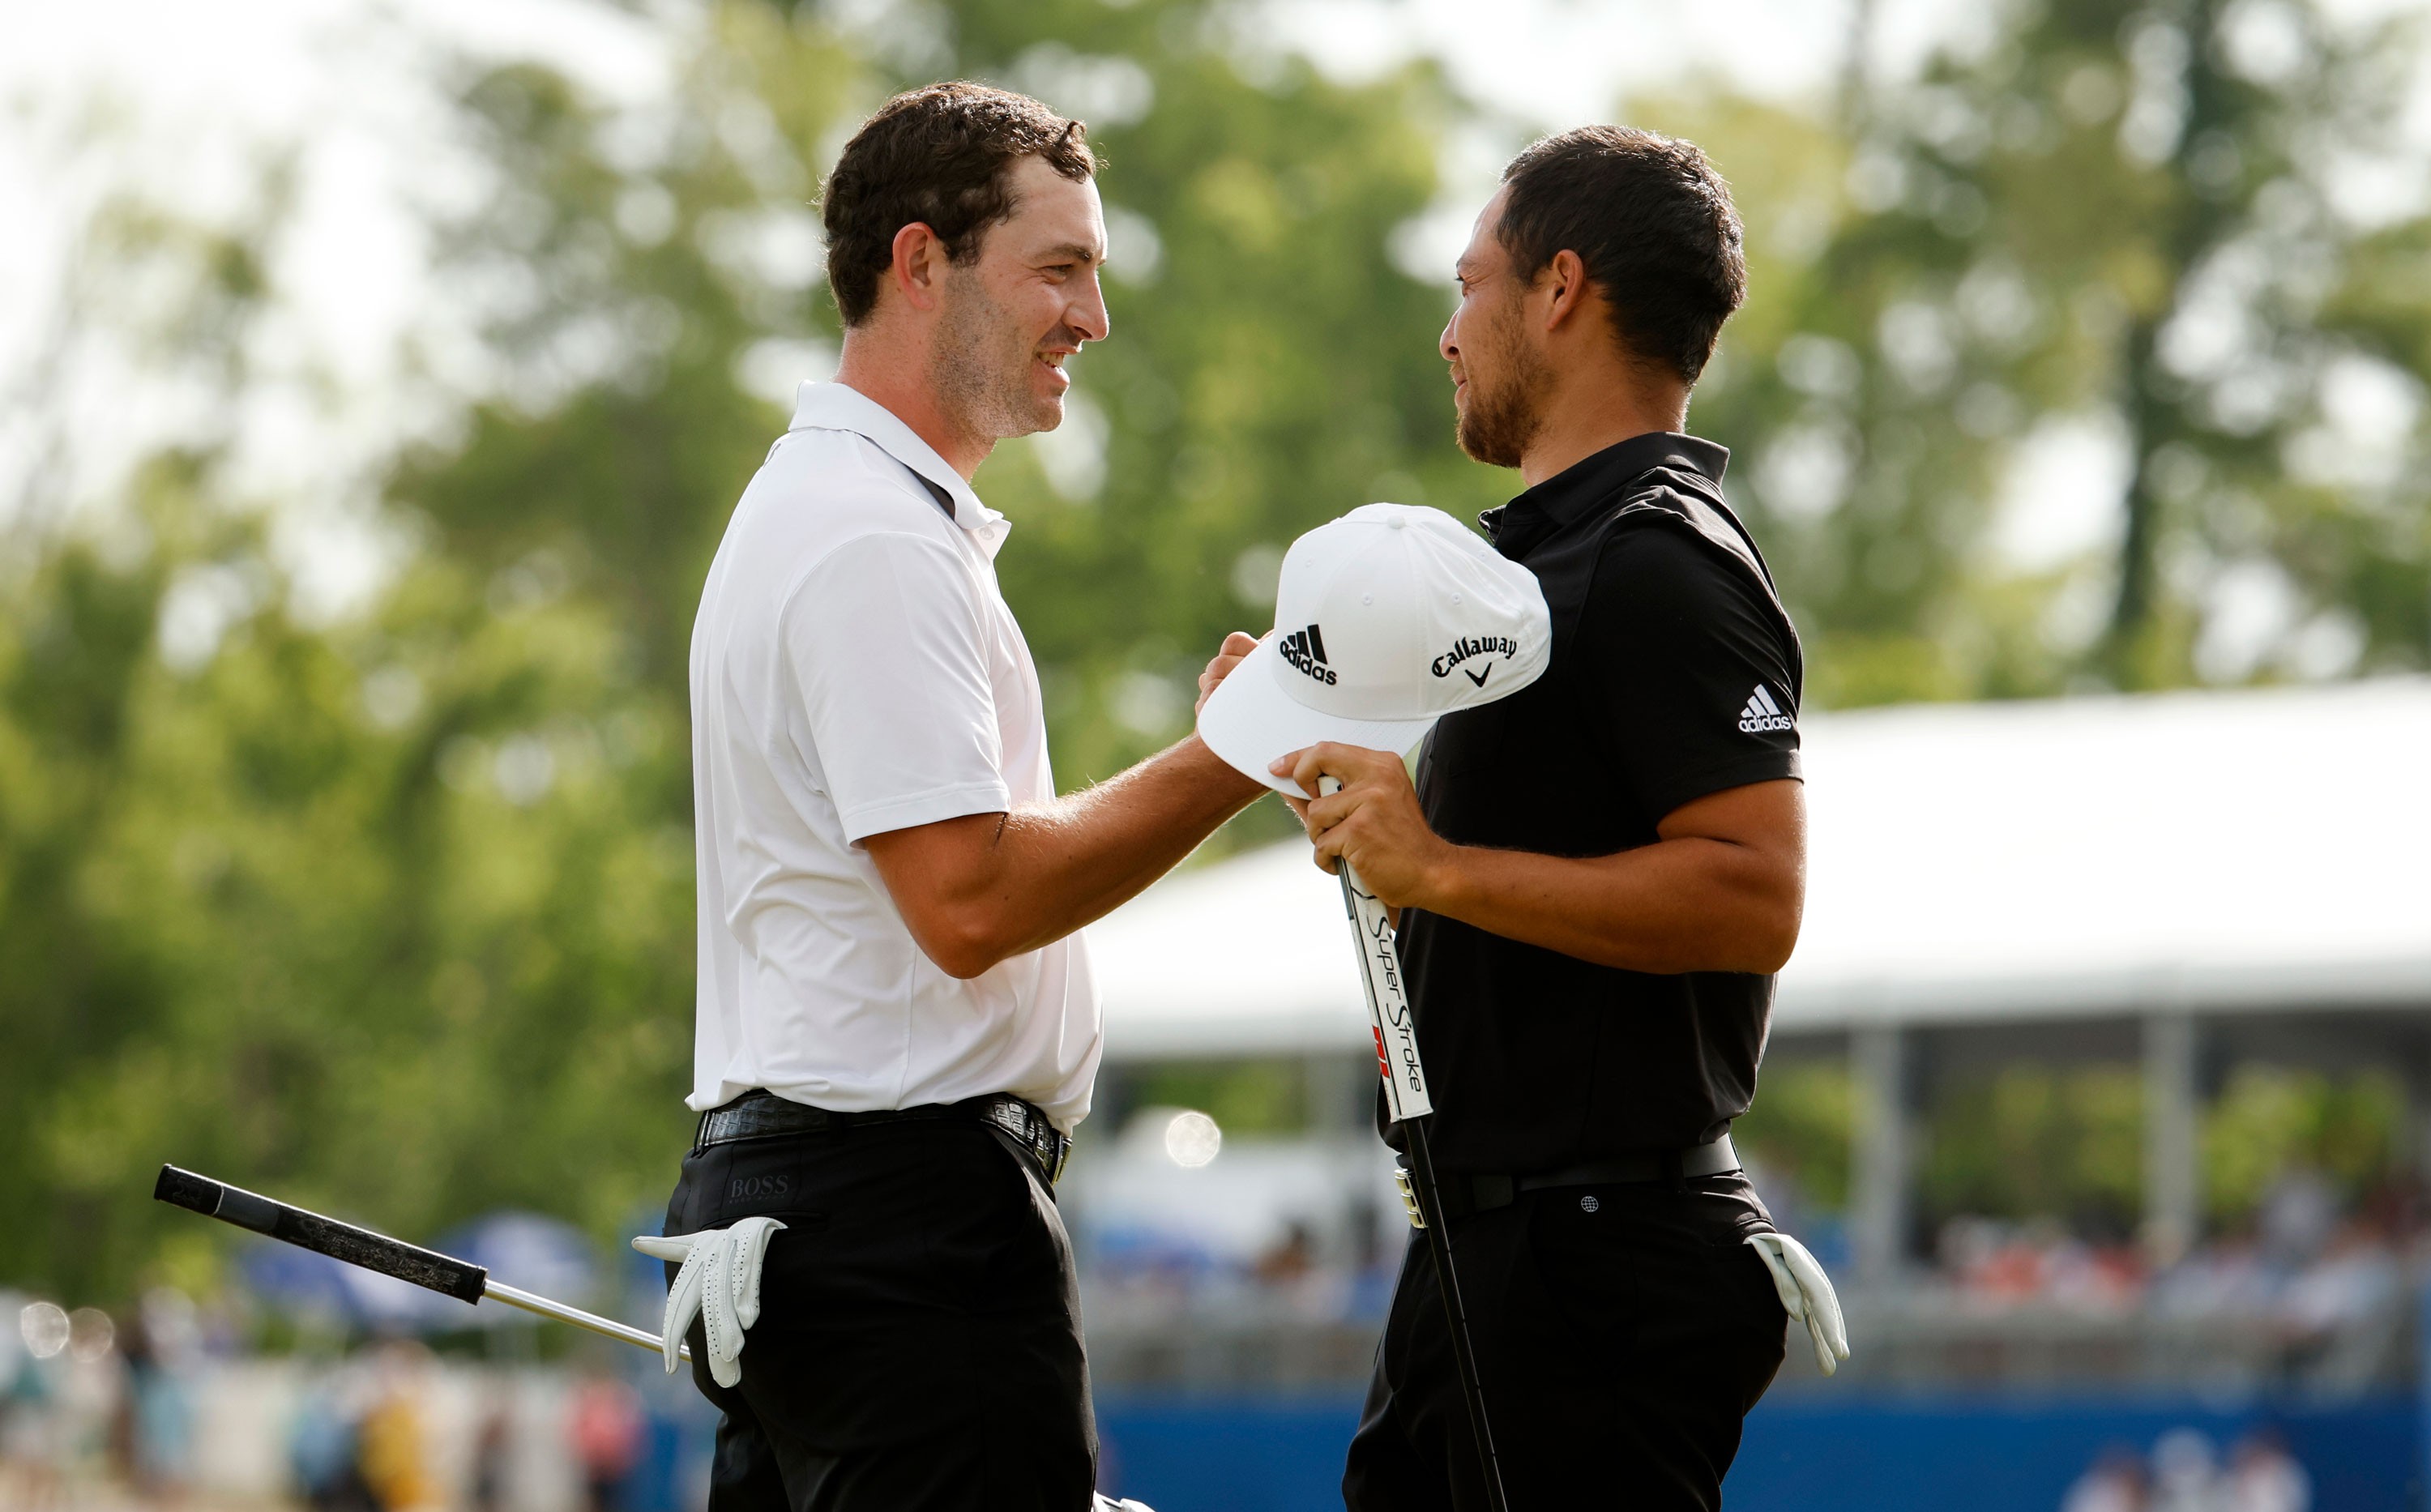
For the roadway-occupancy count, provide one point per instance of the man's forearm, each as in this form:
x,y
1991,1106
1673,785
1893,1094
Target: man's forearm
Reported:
x,y
1071,862
1688,904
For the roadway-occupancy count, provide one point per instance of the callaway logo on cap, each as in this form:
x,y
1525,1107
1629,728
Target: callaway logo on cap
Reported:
x,y
1388,620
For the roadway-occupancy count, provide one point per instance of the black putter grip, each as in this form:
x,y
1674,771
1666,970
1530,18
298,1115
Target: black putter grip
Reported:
x,y
442,1273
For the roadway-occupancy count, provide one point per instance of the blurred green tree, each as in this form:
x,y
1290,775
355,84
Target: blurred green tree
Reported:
x,y
2176,236
344,912
2031,1140
2350,1130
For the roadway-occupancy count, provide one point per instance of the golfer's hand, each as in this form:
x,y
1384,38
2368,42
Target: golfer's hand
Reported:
x,y
1237,646
720,1281
1374,820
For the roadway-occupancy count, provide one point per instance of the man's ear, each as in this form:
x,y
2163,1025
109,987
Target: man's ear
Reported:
x,y
1563,285
918,266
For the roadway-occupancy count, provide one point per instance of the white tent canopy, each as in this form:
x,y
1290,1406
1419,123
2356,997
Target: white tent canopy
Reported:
x,y
2203,852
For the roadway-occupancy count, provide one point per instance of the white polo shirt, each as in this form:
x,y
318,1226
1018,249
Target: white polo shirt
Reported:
x,y
855,670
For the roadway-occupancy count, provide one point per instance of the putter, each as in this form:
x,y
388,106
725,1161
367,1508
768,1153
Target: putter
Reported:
x,y
444,1274
1405,1094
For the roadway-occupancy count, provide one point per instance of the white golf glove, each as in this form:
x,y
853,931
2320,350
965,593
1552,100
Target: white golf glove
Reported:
x,y
1806,1295
720,1281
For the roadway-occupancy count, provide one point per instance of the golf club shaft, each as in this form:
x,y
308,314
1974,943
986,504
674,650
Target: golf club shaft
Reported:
x,y
1406,1095
1463,1353
604,1327
308,1229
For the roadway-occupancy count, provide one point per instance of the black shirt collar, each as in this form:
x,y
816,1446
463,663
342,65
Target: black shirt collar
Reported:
x,y
1570,492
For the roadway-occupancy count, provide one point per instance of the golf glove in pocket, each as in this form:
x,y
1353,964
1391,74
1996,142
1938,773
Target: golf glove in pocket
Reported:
x,y
1806,1295
720,1281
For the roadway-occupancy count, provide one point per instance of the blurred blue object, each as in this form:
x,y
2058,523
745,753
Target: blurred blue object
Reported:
x,y
527,1249
1826,1238
1228,1453
335,1294
1859,1454
1131,1252
320,1447
2022,1455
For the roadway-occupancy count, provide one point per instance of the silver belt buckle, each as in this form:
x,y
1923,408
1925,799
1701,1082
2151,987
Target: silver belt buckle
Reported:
x,y
1050,1145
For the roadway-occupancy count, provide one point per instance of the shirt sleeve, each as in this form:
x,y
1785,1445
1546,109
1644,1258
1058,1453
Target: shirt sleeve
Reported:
x,y
887,645
1701,689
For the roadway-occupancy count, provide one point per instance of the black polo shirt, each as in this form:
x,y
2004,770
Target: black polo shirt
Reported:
x,y
1675,674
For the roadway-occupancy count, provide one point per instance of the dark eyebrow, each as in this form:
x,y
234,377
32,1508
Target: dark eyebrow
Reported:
x,y
1072,250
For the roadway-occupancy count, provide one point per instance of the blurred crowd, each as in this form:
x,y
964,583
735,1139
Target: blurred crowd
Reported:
x,y
2306,1264
378,1434
162,1407
2307,1261
1312,1273
85,1396
2186,1472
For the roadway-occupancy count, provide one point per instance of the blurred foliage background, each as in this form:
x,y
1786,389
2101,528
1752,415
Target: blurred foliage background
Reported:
x,y
389,912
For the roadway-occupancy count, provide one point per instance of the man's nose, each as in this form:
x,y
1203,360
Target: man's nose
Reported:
x,y
1088,313
1446,346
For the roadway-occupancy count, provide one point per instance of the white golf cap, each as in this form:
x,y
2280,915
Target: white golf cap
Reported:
x,y
1386,620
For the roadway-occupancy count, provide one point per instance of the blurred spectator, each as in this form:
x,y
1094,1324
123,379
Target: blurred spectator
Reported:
x,y
2297,1215
1289,1260
1998,1261
2117,1483
91,1376
2264,1477
2355,1277
2227,1276
607,1431
2186,1472
391,1449
32,1431
321,1453
492,1448
153,1435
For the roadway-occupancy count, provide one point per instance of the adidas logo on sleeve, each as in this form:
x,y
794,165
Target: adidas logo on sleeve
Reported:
x,y
1762,714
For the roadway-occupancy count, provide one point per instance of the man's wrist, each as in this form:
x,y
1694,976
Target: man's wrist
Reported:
x,y
1442,881
1191,749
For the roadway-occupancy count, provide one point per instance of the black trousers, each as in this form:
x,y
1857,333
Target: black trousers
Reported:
x,y
1622,1333
919,1347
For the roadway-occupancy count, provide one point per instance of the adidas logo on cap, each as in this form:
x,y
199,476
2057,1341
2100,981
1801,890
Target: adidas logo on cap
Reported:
x,y
1762,714
1305,649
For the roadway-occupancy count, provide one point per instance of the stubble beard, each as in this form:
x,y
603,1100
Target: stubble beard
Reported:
x,y
978,363
1502,415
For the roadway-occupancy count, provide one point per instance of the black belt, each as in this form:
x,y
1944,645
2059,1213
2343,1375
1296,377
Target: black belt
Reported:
x,y
761,1115
1465,1192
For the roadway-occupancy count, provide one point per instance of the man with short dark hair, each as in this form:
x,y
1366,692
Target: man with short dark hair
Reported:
x,y
896,1028
1595,877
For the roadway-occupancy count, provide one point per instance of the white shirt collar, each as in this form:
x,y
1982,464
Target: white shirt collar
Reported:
x,y
837,407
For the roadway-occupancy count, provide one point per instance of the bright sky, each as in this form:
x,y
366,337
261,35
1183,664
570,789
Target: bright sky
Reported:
x,y
197,94
207,89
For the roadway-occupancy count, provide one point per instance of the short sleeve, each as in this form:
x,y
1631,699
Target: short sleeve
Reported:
x,y
1701,686
887,641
